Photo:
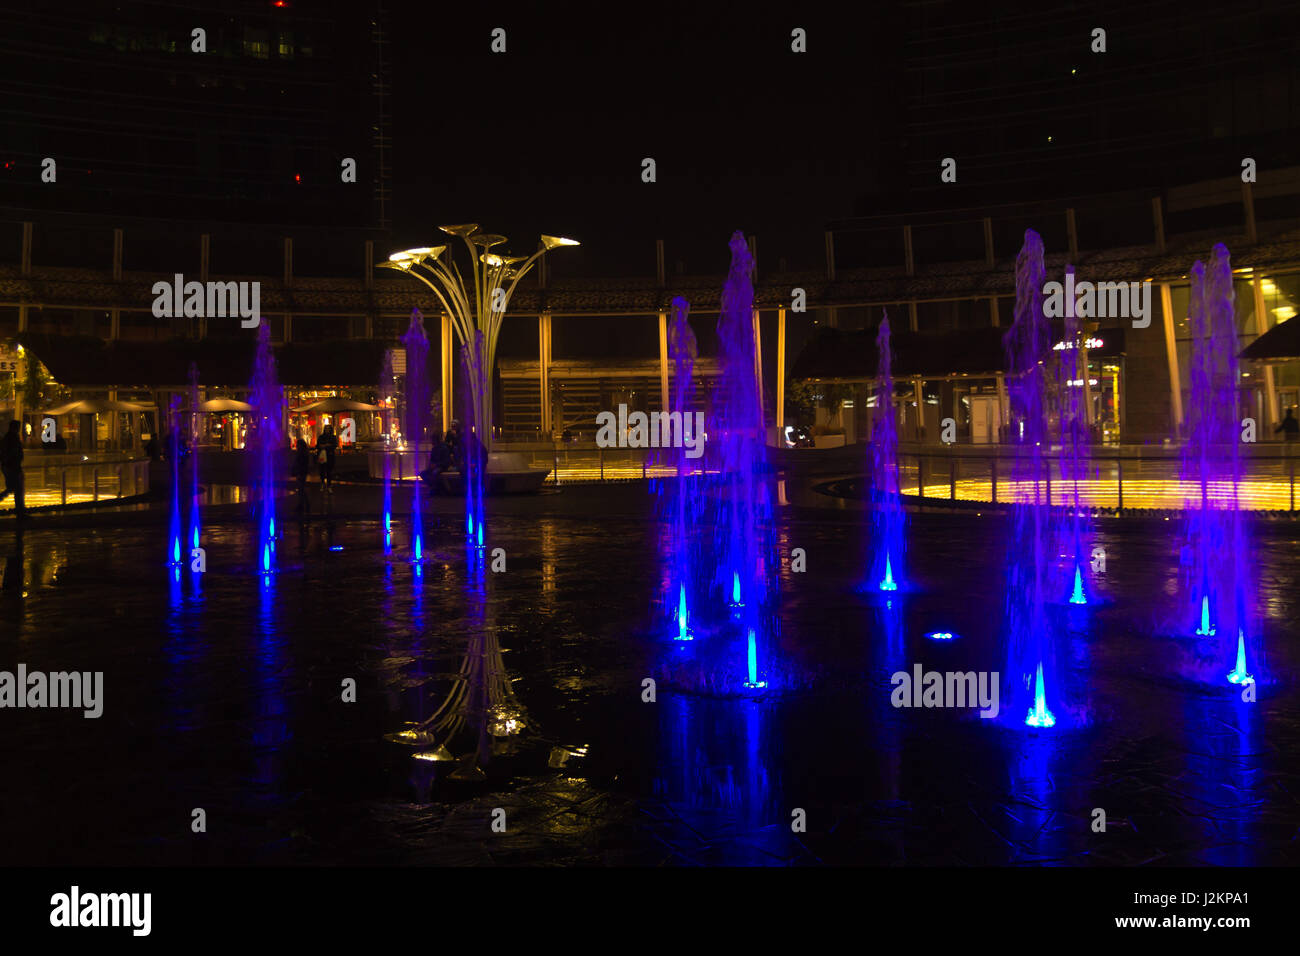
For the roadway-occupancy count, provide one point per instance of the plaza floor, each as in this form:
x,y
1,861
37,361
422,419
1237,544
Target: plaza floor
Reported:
x,y
229,698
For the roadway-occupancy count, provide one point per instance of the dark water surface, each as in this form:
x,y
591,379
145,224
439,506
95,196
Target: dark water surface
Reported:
x,y
229,700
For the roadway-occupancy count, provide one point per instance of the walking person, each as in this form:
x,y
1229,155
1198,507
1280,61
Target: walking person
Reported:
x,y
301,469
11,463
326,445
1289,427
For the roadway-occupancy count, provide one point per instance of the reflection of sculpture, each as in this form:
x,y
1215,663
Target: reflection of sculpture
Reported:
x,y
481,712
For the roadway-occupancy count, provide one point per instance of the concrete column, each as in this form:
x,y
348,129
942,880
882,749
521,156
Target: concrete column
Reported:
x,y
1261,326
659,263
993,311
1248,206
117,255
663,363
780,374
909,262
27,249
988,242
544,365
448,364
1158,220
1171,357
114,324
918,396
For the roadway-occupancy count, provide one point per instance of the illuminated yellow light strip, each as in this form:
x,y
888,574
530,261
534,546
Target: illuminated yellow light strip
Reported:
x,y
1166,494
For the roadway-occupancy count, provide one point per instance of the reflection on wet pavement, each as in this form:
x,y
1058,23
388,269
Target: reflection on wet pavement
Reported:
x,y
230,697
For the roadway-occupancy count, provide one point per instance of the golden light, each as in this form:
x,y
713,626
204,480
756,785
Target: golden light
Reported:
x,y
467,229
553,242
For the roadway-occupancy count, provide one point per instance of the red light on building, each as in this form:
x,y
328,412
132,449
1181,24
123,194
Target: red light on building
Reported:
x,y
297,178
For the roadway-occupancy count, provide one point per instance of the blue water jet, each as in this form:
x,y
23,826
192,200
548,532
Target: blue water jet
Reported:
x,y
1217,562
266,441
742,499
1031,640
888,519
416,419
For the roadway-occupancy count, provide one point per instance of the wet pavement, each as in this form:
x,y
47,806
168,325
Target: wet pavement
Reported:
x,y
229,699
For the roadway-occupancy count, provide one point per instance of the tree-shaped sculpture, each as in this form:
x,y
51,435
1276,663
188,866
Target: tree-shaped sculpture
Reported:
x,y
477,319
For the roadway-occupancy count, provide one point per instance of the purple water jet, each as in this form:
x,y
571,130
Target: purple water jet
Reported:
x,y
888,520
266,443
1031,667
1073,525
682,494
415,421
743,502
1216,564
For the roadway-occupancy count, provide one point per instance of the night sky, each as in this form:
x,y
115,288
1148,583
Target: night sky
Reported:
x,y
550,136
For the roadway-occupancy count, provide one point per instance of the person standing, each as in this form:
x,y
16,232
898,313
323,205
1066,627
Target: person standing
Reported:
x,y
326,445
11,463
301,469
1288,426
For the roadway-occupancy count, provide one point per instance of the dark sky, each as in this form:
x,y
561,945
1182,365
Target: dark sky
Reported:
x,y
550,135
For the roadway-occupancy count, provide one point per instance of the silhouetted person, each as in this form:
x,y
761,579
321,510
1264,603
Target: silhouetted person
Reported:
x,y
1289,426
301,469
440,460
326,446
11,463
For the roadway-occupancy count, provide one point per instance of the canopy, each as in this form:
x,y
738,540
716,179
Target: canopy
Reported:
x,y
92,406
334,405
224,405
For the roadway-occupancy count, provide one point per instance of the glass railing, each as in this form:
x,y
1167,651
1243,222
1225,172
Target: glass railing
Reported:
x,y
66,479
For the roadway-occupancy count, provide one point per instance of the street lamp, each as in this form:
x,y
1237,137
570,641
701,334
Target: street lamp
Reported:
x,y
477,319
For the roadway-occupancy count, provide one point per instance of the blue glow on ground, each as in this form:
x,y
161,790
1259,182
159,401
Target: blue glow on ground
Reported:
x,y
888,584
1039,715
683,633
1239,674
753,662
1078,596
1206,629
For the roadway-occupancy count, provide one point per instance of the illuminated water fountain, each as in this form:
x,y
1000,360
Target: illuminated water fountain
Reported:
x,y
194,456
174,453
1031,668
1072,433
888,520
1216,566
415,420
385,404
742,502
266,442
681,496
